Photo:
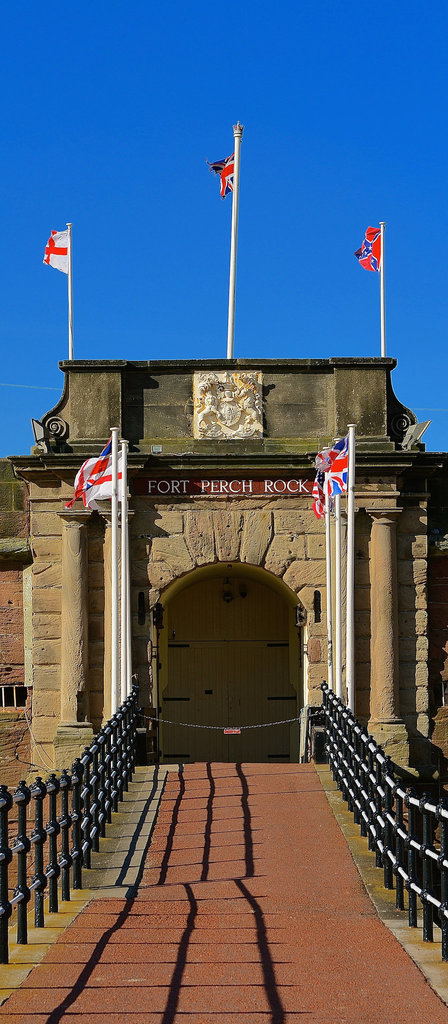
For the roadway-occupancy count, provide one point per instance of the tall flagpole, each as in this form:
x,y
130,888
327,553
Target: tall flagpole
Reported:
x,y
124,570
70,293
237,134
329,588
114,574
383,289
338,601
350,616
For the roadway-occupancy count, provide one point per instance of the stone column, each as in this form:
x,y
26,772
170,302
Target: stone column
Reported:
x,y
385,723
74,731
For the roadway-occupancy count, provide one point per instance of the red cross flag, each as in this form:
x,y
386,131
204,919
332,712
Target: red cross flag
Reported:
x,y
56,251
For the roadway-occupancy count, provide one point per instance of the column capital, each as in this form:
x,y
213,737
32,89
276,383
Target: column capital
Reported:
x,y
384,515
71,518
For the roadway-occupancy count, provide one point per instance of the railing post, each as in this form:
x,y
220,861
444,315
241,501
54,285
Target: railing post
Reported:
x,y
120,741
410,796
53,830
428,931
38,837
95,805
443,862
378,800
108,773
388,826
5,860
102,791
86,794
65,821
21,846
76,851
364,779
114,764
399,848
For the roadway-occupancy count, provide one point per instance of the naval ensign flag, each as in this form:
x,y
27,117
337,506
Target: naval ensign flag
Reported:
x,y
58,254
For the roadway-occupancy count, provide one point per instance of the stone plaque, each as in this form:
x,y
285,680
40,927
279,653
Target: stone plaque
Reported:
x,y
228,404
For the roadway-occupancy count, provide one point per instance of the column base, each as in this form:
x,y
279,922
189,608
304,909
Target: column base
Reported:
x,y
70,740
392,736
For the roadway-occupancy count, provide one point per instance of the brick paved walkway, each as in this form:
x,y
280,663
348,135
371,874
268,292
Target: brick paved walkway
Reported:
x,y
249,910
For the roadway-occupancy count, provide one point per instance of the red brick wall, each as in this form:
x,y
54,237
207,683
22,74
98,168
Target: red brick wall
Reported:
x,y
11,627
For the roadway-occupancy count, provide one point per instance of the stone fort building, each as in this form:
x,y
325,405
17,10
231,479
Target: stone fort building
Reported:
x,y
227,558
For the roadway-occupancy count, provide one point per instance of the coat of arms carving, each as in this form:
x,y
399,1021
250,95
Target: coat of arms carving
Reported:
x,y
228,404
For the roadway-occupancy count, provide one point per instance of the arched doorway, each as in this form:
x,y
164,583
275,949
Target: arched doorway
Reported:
x,y
230,655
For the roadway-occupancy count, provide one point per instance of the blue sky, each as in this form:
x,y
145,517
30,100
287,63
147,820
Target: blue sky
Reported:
x,y
109,112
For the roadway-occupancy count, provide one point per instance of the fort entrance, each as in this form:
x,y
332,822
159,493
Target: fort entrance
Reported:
x,y
230,655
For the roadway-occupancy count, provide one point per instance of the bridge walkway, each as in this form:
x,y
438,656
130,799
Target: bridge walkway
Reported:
x,y
247,908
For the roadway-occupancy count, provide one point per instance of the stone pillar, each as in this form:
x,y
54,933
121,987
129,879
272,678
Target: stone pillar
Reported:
x,y
385,723
74,731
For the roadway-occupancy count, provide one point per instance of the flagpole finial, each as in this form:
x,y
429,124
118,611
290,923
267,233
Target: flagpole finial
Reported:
x,y
238,130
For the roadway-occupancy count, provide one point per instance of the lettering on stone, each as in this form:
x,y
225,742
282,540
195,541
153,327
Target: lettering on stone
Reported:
x,y
227,404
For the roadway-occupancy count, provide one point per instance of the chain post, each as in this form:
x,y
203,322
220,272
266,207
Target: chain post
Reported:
x,y
5,860
21,846
38,837
53,830
76,850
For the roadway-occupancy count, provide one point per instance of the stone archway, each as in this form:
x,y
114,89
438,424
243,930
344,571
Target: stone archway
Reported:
x,y
230,655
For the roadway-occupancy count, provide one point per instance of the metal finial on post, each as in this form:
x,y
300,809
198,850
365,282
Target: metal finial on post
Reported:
x,y
237,134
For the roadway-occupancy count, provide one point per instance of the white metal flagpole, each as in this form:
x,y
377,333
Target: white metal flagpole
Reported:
x,y
338,601
329,587
237,134
383,288
124,570
114,573
350,614
70,293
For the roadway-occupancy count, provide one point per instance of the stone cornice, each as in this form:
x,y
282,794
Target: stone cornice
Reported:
x,y
168,365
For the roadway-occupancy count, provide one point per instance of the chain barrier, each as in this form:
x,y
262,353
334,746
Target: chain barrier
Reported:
x,y
220,728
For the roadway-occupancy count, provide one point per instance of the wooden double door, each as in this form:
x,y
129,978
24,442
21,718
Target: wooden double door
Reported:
x,y
228,665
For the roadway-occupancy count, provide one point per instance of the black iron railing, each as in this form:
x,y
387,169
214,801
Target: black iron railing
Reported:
x,y
96,783
408,833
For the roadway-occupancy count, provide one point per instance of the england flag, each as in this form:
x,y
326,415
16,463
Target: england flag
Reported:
x,y
56,251
94,479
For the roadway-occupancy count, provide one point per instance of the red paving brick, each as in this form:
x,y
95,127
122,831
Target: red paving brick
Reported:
x,y
249,910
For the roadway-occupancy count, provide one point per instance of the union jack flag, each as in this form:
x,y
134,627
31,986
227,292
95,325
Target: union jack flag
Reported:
x,y
225,170
94,479
369,255
319,494
338,473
